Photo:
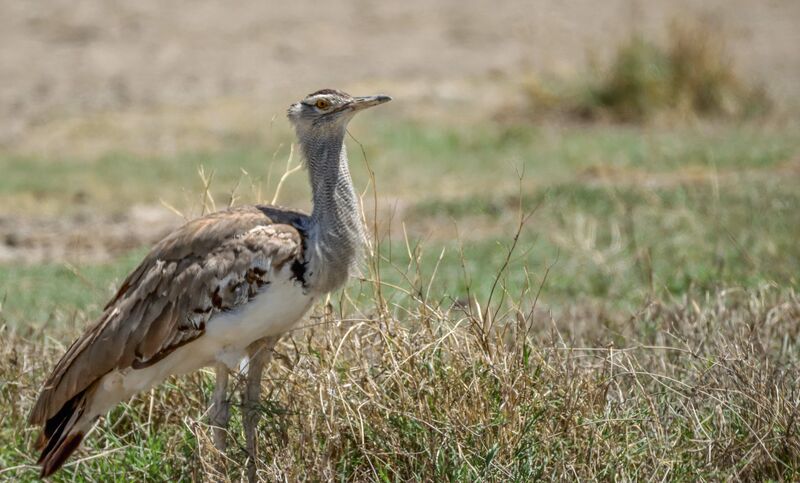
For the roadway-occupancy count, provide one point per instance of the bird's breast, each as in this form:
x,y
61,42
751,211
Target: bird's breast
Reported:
x,y
274,310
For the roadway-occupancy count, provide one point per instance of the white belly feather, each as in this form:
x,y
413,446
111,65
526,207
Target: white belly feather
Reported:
x,y
228,334
272,312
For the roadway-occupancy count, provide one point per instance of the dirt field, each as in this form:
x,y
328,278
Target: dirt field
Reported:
x,y
63,59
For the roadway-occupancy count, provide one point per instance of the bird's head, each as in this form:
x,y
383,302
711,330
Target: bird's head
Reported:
x,y
328,111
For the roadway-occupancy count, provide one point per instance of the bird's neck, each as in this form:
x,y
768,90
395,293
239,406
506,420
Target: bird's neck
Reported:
x,y
336,234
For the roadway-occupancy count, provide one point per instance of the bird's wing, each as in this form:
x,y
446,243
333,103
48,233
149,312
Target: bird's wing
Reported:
x,y
209,265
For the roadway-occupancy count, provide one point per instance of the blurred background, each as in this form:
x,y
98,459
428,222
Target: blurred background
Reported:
x,y
659,140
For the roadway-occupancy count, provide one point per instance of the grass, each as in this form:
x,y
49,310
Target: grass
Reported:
x,y
56,292
700,387
625,213
622,244
417,157
645,325
690,76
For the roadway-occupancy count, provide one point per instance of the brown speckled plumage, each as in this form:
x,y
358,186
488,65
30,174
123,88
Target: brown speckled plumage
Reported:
x,y
210,264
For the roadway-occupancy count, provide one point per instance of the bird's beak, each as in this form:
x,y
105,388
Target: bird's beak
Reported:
x,y
360,103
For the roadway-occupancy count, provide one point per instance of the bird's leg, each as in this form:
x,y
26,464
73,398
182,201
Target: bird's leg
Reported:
x,y
220,408
260,352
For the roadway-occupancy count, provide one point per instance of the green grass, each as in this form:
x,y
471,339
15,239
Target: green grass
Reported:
x,y
410,159
619,242
56,292
116,181
610,242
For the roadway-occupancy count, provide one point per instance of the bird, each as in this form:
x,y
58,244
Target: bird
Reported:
x,y
217,292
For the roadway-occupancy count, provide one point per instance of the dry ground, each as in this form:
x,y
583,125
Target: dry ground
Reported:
x,y
61,59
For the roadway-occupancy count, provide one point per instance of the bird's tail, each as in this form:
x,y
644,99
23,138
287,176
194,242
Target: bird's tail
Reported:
x,y
63,433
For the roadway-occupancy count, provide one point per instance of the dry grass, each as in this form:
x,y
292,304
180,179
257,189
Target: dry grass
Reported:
x,y
385,384
708,391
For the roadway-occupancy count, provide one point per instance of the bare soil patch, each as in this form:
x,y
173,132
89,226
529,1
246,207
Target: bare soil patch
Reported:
x,y
83,237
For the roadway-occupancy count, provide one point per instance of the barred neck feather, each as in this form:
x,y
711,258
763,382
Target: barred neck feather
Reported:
x,y
336,234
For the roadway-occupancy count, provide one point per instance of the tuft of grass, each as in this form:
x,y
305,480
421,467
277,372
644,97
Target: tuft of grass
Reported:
x,y
638,84
690,76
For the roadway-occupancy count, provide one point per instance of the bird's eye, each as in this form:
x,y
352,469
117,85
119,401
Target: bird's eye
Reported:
x,y
322,104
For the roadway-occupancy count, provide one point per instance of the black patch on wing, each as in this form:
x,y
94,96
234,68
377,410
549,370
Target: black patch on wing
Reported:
x,y
299,272
299,221
294,218
299,267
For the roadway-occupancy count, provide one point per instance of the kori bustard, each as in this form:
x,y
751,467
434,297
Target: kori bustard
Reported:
x,y
216,291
